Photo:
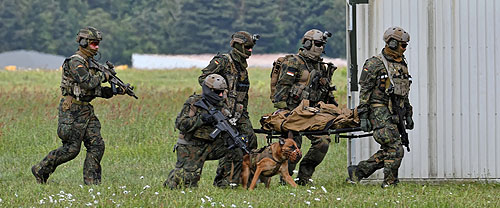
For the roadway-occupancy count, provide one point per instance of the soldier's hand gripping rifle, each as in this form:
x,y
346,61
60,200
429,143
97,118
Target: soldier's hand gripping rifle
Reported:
x,y
235,139
400,112
113,79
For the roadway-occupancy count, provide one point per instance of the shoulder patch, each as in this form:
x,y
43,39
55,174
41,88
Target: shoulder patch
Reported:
x,y
291,71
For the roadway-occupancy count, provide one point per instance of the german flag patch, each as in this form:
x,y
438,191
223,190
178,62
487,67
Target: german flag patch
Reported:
x,y
290,73
366,69
216,62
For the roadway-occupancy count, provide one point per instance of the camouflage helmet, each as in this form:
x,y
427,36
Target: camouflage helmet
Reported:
x,y
316,35
215,81
244,38
396,33
89,33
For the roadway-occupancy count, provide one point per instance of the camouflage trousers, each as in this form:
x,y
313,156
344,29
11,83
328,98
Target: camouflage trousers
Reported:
x,y
391,150
75,125
315,155
190,161
232,161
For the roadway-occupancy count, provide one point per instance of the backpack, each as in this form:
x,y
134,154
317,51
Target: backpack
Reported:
x,y
275,73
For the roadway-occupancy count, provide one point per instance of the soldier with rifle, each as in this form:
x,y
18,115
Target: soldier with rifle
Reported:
x,y
304,76
205,134
384,107
81,83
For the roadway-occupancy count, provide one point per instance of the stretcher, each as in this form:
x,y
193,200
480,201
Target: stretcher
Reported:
x,y
339,133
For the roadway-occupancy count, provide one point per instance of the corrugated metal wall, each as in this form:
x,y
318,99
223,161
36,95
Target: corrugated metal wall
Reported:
x,y
454,59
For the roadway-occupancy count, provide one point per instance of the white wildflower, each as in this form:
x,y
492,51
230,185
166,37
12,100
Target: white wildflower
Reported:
x,y
317,199
95,201
376,204
183,192
309,191
93,196
109,187
50,199
311,180
98,193
250,206
122,187
89,204
81,186
61,192
61,199
313,188
451,193
118,205
397,202
113,194
1,200
202,200
125,192
141,193
190,191
142,177
308,202
293,194
324,189
146,187
16,195
244,202
232,205
91,189
41,201
208,198
212,204
338,199
156,193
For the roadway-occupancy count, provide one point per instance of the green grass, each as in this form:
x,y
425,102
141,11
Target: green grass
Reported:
x,y
139,135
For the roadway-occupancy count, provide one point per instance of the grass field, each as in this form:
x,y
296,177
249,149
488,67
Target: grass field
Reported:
x,y
139,136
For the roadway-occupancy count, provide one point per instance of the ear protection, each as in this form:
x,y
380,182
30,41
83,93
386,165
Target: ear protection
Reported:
x,y
308,44
393,44
83,42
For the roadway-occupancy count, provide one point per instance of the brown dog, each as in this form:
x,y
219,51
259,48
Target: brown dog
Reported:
x,y
269,161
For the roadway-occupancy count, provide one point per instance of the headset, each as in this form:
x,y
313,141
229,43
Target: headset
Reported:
x,y
308,44
393,44
83,42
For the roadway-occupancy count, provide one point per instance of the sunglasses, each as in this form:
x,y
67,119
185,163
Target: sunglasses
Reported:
x,y
218,92
403,45
94,43
319,43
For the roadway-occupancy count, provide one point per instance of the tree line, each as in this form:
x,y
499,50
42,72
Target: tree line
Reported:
x,y
168,26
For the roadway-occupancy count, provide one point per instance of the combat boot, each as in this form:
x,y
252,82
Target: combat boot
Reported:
x,y
39,177
353,175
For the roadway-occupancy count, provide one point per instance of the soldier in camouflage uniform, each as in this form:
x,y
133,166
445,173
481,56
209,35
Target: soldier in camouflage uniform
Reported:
x,y
385,83
195,145
304,76
80,84
233,67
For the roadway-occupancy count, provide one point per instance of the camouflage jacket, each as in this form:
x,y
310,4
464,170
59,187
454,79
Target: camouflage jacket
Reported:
x,y
236,75
374,82
79,79
302,79
191,127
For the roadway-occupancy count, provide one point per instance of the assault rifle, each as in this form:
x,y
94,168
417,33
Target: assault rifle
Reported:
x,y
222,125
113,79
400,112
315,85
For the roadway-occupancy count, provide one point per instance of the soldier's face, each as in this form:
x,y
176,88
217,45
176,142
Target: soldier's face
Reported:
x,y
402,47
94,45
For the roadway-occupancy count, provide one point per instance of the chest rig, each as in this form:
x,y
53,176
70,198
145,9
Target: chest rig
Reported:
x,y
69,86
238,86
397,79
308,86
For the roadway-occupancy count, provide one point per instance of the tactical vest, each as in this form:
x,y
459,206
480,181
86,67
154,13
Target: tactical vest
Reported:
x,y
69,86
238,86
307,85
396,79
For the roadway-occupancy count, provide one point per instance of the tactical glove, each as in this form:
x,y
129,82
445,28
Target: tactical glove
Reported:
x,y
366,126
409,123
207,119
280,105
106,92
